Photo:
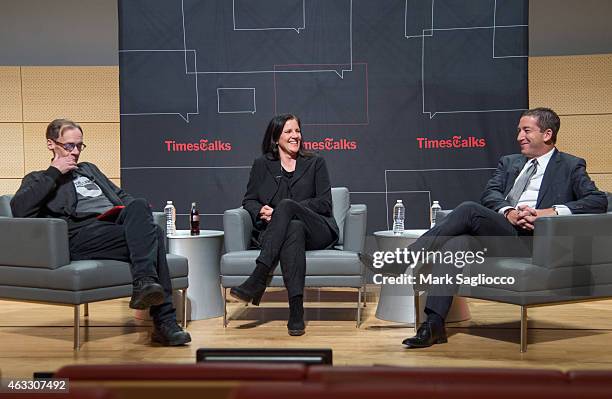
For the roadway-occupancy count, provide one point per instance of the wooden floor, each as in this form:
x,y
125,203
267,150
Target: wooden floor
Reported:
x,y
37,337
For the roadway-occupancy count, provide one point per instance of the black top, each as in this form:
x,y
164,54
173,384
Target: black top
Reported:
x,y
284,188
309,185
50,194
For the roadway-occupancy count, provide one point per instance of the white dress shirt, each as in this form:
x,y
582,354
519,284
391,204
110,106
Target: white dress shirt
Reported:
x,y
530,195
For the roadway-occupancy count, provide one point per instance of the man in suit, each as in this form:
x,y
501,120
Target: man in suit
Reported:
x,y
79,193
540,181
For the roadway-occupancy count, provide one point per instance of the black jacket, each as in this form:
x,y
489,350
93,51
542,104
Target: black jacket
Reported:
x,y
49,194
310,186
565,182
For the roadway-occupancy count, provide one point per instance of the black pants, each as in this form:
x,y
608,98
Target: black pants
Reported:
x,y
293,230
133,238
470,226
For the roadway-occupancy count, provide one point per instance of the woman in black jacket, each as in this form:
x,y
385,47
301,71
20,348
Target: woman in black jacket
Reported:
x,y
289,199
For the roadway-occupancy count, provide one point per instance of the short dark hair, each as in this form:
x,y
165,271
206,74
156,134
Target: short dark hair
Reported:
x,y
546,119
269,145
56,128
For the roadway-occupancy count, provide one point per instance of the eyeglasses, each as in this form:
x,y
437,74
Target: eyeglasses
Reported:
x,y
70,146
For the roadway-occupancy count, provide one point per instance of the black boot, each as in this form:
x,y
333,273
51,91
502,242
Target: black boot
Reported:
x,y
169,333
253,288
295,325
146,292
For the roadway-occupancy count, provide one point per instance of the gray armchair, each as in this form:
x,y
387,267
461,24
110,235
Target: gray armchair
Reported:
x,y
35,266
571,262
338,267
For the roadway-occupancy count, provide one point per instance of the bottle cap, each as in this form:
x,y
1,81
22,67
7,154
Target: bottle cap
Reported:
x,y
193,204
436,202
399,201
168,202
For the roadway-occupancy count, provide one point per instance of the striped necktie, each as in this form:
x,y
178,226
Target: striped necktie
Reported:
x,y
521,183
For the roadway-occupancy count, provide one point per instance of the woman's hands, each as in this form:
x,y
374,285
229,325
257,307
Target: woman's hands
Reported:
x,y
265,213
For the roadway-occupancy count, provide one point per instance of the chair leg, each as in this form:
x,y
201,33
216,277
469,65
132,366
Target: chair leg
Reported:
x,y
523,329
417,311
86,310
358,307
77,327
224,307
184,306
365,295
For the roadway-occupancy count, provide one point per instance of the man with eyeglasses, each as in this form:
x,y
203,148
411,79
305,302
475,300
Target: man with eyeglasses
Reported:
x,y
79,193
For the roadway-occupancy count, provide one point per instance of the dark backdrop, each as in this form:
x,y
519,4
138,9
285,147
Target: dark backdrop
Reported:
x,y
406,99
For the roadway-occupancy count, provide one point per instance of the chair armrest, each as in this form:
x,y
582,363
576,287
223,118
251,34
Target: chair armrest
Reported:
x,y
237,228
355,228
572,240
5,205
34,242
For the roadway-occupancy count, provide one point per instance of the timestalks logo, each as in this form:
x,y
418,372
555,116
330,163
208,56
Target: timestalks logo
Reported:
x,y
455,142
202,145
331,144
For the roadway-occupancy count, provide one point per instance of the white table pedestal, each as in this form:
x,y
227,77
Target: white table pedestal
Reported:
x,y
204,299
396,302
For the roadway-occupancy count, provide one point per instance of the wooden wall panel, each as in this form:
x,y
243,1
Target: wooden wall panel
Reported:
x,y
36,154
572,84
10,98
603,181
11,163
9,186
102,140
103,148
84,94
579,89
588,136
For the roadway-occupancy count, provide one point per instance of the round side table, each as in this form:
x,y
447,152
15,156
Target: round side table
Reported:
x,y
203,253
396,302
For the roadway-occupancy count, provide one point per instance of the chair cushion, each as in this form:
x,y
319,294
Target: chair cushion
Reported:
x,y
318,263
530,278
81,275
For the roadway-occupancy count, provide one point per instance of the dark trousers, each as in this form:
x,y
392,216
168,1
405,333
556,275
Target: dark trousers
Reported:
x,y
470,226
293,230
133,238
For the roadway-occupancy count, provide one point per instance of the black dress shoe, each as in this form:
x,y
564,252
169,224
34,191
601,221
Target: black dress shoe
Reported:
x,y
430,333
146,292
170,334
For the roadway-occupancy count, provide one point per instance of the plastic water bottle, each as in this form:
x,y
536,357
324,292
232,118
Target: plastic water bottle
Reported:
x,y
435,208
170,213
398,217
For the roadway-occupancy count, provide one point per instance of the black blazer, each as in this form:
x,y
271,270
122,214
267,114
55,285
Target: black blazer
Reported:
x,y
310,186
565,182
